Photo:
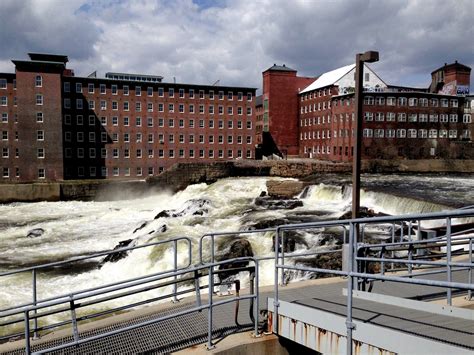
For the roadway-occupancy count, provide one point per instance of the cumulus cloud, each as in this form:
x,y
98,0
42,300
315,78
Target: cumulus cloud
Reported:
x,y
45,26
202,41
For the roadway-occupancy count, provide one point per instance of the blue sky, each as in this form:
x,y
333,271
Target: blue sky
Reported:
x,y
201,41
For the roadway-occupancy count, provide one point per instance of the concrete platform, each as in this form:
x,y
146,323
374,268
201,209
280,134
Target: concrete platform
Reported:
x,y
188,331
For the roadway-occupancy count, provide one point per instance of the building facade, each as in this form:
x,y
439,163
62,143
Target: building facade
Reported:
x,y
58,126
279,110
398,123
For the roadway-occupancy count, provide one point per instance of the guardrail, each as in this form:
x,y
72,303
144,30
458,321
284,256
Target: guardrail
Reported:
x,y
16,309
72,304
353,271
359,255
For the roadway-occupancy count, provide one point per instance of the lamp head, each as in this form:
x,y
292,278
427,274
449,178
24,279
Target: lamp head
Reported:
x,y
370,57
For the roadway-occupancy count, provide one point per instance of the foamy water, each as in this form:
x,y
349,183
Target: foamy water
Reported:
x,y
78,228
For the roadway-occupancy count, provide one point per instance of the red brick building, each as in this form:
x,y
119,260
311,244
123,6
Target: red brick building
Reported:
x,y
399,122
58,126
280,109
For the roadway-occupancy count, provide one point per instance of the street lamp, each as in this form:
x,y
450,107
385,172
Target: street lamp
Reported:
x,y
361,58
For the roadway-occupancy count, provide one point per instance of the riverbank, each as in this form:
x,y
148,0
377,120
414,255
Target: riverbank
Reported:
x,y
182,175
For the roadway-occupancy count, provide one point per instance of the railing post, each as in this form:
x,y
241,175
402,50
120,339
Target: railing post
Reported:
x,y
448,259
209,321
392,266
175,285
212,248
353,254
256,303
27,333
410,249
349,325
283,281
35,320
469,292
276,301
75,331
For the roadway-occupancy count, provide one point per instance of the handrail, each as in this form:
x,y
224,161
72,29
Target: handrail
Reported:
x,y
92,256
33,269
353,271
209,306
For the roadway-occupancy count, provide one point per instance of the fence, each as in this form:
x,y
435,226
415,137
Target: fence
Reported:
x,y
409,249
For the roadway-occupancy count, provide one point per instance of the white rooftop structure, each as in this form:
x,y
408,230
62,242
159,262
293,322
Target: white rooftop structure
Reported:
x,y
344,77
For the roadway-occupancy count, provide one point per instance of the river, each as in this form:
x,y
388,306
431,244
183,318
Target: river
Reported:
x,y
77,228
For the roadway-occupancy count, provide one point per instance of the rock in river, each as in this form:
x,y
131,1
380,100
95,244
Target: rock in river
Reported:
x,y
239,248
195,207
114,257
37,232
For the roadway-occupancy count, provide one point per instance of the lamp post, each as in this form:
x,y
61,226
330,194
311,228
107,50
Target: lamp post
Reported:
x,y
361,58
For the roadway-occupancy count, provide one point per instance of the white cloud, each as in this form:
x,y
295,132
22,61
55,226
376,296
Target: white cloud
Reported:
x,y
236,40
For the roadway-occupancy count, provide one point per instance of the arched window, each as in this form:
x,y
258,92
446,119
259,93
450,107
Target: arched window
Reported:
x,y
38,81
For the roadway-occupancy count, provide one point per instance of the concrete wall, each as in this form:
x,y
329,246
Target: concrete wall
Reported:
x,y
29,192
183,174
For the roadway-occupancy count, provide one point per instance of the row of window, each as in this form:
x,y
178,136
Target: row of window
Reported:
x,y
5,135
413,133
181,138
40,153
3,82
381,101
170,153
150,122
150,107
318,93
412,101
181,93
6,172
389,117
413,117
316,107
387,133
39,100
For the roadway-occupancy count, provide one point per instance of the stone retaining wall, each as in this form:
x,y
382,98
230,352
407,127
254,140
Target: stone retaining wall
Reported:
x,y
183,174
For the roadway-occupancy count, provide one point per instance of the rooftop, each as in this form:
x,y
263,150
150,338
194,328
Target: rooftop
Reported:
x,y
280,68
134,77
46,57
328,78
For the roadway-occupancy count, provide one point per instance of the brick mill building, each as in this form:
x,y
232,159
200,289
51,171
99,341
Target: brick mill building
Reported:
x,y
399,122
57,126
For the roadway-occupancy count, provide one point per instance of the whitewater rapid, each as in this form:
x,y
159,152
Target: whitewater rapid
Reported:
x,y
78,228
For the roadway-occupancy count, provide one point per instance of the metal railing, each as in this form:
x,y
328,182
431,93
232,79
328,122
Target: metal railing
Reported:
x,y
353,271
19,308
359,255
77,300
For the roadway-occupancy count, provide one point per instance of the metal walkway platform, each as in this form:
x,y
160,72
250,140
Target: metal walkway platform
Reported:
x,y
323,315
324,294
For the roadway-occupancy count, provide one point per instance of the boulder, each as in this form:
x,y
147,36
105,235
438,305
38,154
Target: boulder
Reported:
x,y
238,248
34,233
284,188
325,261
194,207
364,213
163,214
143,225
271,204
114,257
290,240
